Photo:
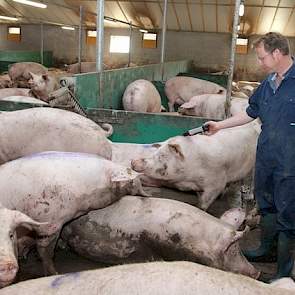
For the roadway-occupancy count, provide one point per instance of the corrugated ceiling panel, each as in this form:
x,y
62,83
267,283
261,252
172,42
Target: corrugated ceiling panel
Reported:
x,y
184,17
287,3
156,13
252,18
223,20
197,20
210,18
266,18
271,2
129,11
290,27
253,2
280,19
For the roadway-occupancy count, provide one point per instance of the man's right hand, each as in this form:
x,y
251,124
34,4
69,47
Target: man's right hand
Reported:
x,y
213,127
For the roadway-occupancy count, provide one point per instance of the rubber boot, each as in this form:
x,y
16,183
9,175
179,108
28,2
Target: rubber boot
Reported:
x,y
268,239
285,256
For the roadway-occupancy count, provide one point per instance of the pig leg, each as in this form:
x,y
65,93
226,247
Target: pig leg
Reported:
x,y
171,106
210,194
46,248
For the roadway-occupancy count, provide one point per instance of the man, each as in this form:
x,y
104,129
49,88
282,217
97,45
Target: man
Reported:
x,y
274,103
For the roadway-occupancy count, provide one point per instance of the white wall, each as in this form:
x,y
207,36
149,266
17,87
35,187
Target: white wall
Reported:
x,y
208,50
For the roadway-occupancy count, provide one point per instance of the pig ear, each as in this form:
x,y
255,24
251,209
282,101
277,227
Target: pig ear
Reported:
x,y
31,75
156,145
24,220
45,77
175,148
188,105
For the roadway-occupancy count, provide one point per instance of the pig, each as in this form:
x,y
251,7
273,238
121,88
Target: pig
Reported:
x,y
211,106
52,188
142,96
86,67
40,129
19,73
181,89
145,229
15,91
154,278
24,99
124,153
42,85
205,164
5,81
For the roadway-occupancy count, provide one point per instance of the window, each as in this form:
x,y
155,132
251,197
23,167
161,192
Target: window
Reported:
x,y
14,34
119,44
91,37
149,40
242,45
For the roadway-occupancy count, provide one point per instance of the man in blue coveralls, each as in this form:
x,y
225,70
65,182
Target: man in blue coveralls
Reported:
x,y
274,104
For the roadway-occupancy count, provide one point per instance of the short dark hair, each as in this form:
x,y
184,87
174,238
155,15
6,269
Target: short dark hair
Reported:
x,y
272,41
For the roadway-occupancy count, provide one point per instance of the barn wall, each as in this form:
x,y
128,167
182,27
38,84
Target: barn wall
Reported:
x,y
210,51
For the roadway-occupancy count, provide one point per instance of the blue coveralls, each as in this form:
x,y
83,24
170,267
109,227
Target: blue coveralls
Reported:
x,y
275,159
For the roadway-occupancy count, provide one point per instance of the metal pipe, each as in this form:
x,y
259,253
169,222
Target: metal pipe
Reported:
x,y
232,58
163,38
130,43
42,44
100,47
80,38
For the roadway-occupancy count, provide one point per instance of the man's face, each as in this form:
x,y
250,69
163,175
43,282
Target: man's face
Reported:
x,y
267,60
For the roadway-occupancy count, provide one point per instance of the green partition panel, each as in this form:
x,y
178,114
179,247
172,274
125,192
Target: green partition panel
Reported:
x,y
218,79
144,127
8,57
115,82
131,126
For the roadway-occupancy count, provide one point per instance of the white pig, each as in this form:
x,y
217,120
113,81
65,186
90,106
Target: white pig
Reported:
x,y
145,229
54,188
154,278
205,164
14,91
142,96
42,85
19,73
24,99
211,106
181,89
40,129
86,67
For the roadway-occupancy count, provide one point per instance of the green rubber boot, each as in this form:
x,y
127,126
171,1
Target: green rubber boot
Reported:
x,y
268,239
285,256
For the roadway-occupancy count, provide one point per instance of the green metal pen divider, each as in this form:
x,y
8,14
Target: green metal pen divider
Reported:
x,y
8,57
115,82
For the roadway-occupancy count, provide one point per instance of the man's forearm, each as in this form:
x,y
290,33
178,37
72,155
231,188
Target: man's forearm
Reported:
x,y
237,120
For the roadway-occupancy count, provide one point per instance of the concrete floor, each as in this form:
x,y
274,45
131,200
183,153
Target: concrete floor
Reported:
x,y
67,261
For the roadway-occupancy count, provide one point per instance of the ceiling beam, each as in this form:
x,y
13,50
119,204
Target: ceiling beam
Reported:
x,y
123,12
216,7
274,17
258,18
189,15
289,19
202,15
176,16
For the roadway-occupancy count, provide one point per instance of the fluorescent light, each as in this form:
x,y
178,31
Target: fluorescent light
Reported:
x,y
32,3
68,28
7,17
239,27
143,31
241,9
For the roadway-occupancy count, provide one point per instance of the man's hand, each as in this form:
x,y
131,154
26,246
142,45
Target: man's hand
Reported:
x,y
213,127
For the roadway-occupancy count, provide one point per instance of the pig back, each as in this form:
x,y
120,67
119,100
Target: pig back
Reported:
x,y
157,278
41,129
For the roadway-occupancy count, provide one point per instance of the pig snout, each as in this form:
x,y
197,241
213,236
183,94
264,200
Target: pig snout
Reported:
x,y
138,165
8,271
